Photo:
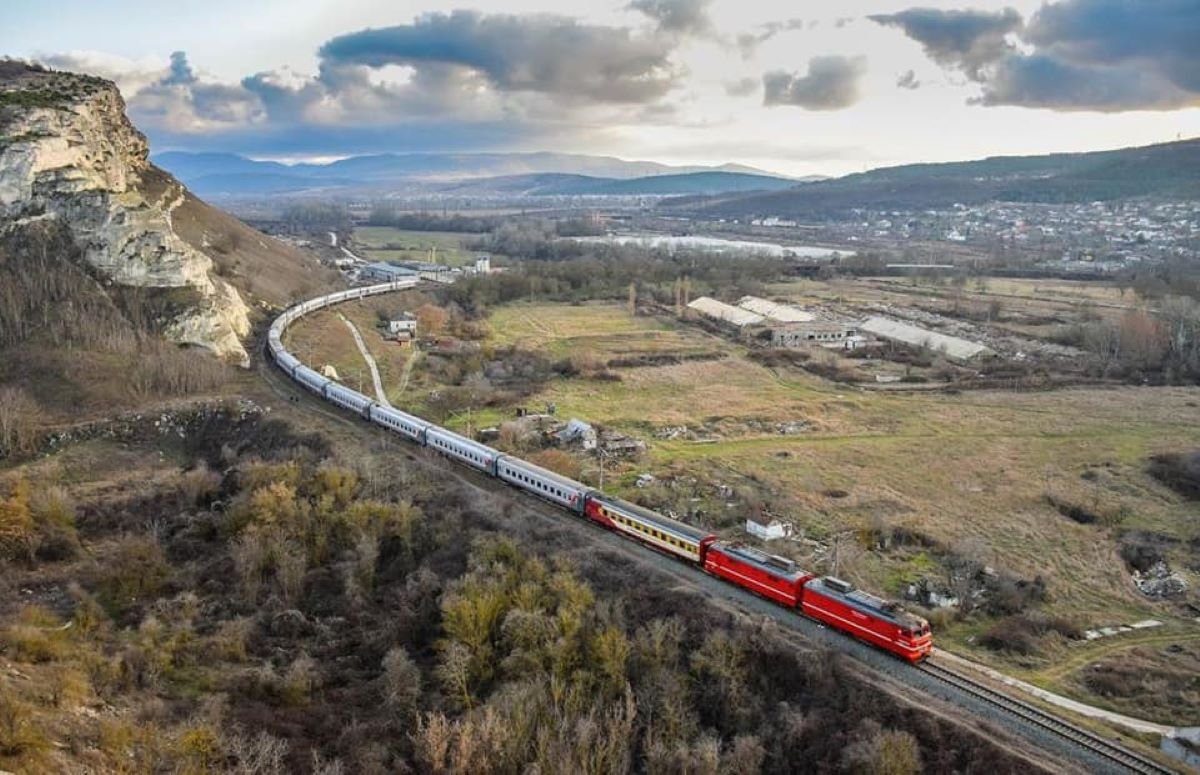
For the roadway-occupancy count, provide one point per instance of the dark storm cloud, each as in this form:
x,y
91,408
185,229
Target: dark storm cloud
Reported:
x,y
677,17
965,40
831,83
1099,55
547,54
908,80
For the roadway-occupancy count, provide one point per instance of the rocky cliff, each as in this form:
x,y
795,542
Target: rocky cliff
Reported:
x,y
68,153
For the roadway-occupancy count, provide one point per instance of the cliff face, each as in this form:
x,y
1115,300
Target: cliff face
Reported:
x,y
67,152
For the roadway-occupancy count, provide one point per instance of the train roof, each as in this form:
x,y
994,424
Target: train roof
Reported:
x,y
438,430
780,567
544,473
848,594
682,530
381,409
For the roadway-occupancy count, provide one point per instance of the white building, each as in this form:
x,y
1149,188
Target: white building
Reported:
x,y
407,324
726,313
781,313
951,346
483,264
770,531
818,333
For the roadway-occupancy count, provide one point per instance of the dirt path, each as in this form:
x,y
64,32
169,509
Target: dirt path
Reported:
x,y
380,395
408,370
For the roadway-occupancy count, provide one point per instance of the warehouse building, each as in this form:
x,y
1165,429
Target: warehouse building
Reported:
x,y
906,333
777,313
725,313
385,272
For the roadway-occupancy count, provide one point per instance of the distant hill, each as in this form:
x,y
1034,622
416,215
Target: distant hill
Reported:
x,y
558,184
231,174
1169,170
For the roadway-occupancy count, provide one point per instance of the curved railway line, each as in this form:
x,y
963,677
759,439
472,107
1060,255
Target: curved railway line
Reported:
x,y
1096,752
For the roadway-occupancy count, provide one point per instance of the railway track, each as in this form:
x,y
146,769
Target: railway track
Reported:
x,y
1092,742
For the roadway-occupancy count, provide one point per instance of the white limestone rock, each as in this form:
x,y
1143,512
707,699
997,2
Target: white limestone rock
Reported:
x,y
82,163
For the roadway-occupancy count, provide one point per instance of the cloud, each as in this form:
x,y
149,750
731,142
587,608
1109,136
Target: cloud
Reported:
x,y
1096,55
965,40
182,102
130,75
749,42
677,17
831,83
460,79
1045,81
547,54
742,87
908,80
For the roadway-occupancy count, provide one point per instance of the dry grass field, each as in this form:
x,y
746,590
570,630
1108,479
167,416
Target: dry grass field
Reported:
x,y
970,472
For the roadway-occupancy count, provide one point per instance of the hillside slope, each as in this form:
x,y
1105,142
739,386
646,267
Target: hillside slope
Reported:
x,y
69,158
1169,170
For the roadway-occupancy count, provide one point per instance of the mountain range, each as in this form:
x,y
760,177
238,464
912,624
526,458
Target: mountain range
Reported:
x,y
530,174
1166,170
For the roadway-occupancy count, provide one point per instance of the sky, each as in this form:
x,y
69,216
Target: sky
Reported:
x,y
793,87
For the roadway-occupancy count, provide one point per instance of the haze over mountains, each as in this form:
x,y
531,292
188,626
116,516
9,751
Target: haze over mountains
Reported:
x,y
1167,170
464,173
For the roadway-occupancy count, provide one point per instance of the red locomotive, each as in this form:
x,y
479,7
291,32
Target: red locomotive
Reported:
x,y
879,622
832,601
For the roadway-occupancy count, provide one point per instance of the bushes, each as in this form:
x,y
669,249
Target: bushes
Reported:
x,y
19,421
17,538
1022,633
138,572
1072,511
1180,471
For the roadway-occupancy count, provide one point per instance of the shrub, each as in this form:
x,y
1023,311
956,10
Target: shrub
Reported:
x,y
138,572
16,521
1072,511
1021,634
37,636
1179,471
19,734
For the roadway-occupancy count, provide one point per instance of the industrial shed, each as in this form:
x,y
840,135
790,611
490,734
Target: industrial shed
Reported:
x,y
894,330
778,313
726,313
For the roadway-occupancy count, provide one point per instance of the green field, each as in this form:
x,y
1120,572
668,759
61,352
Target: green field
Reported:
x,y
384,243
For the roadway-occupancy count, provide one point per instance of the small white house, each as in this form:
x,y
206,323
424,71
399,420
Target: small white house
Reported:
x,y
770,531
483,264
403,325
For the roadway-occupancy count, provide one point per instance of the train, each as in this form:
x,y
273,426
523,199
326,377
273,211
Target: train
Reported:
x,y
825,599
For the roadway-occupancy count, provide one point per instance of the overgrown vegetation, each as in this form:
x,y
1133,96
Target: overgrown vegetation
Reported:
x,y
59,322
286,613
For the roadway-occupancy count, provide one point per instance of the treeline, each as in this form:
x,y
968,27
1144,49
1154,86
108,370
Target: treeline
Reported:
x,y
425,221
610,275
1160,346
303,216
